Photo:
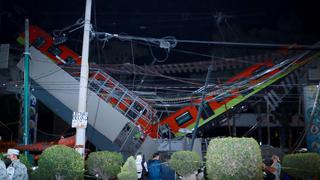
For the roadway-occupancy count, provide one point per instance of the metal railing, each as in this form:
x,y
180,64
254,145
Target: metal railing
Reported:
x,y
121,98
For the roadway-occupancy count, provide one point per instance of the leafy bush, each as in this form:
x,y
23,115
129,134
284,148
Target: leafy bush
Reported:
x,y
185,162
62,161
302,164
234,158
35,175
129,170
105,164
24,159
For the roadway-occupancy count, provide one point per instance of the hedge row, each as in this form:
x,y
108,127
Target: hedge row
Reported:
x,y
302,165
227,159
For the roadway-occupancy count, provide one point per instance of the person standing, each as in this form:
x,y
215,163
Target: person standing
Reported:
x,y
16,170
3,171
273,172
142,168
277,166
167,173
154,167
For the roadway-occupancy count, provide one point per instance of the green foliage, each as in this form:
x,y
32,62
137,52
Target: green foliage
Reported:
x,y
60,160
35,175
129,170
302,165
234,158
185,162
24,159
105,164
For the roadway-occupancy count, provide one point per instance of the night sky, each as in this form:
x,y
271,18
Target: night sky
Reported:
x,y
184,19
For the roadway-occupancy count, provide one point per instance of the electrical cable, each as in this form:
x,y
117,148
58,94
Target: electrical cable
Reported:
x,y
254,127
132,57
69,29
195,53
231,29
54,135
255,45
203,55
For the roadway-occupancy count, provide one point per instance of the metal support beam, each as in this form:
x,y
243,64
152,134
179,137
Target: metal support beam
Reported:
x,y
26,99
195,129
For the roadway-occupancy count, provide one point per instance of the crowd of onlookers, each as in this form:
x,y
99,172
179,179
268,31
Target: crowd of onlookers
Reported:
x,y
154,169
12,169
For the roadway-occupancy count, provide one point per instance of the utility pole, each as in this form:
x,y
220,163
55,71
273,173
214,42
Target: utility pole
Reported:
x,y
194,134
80,118
26,86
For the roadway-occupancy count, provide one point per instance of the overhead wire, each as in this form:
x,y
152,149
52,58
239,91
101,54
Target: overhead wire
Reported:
x,y
231,29
133,62
160,75
171,43
171,78
154,85
69,29
204,55
55,135
198,54
44,75
255,45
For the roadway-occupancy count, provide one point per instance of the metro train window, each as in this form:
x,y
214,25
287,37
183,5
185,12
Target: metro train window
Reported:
x,y
183,118
70,60
206,111
55,50
222,97
245,91
39,42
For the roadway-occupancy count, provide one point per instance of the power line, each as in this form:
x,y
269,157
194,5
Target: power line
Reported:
x,y
257,45
172,42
